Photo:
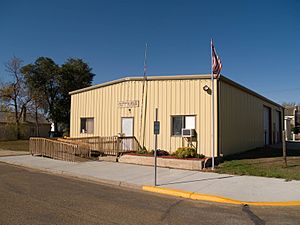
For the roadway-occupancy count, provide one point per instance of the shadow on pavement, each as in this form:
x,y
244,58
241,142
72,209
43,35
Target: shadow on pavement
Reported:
x,y
197,180
268,152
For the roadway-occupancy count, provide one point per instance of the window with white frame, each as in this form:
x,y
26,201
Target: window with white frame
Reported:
x,y
182,122
87,125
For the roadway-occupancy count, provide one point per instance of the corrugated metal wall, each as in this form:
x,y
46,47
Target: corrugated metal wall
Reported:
x,y
172,97
241,124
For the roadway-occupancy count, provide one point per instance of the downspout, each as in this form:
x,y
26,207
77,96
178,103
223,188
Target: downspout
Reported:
x,y
145,113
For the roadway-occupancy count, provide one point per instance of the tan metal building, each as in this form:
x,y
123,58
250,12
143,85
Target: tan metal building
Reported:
x,y
243,119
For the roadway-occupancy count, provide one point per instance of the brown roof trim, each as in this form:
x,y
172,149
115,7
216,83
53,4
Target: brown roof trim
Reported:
x,y
243,88
176,77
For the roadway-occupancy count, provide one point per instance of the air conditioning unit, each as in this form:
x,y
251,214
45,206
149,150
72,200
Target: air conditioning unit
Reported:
x,y
188,132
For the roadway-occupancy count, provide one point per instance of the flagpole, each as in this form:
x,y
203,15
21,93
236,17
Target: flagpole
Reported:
x,y
144,101
145,61
212,111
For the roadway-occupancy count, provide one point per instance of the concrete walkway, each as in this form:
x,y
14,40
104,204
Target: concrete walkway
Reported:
x,y
243,188
4,152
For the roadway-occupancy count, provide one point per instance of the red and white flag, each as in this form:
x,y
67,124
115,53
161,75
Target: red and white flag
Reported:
x,y
216,61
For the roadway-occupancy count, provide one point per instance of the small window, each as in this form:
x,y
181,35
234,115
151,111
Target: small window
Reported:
x,y
181,122
177,124
87,125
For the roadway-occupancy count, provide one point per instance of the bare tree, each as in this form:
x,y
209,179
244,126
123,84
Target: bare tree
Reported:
x,y
14,93
35,107
289,104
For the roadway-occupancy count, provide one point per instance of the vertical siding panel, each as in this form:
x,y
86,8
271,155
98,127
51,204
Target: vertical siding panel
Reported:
x,y
100,111
110,105
118,119
72,116
77,120
172,109
192,94
149,115
242,120
165,116
178,101
76,116
134,110
151,111
199,121
96,108
167,90
104,110
201,116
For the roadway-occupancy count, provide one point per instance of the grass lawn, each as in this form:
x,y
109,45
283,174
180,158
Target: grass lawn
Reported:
x,y
263,162
19,145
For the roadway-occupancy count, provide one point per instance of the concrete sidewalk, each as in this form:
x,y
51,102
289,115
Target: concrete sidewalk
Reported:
x,y
4,152
242,188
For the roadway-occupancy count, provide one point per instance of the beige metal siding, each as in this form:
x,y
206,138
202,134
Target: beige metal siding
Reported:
x,y
172,97
241,119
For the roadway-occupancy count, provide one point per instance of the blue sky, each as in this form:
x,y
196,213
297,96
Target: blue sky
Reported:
x,y
258,41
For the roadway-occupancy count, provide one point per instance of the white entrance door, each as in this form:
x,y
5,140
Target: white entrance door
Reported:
x,y
266,125
127,131
127,126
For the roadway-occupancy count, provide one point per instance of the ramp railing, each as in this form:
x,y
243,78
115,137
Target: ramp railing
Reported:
x,y
70,148
53,149
111,145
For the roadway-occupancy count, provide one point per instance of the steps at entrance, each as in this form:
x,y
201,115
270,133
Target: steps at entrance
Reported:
x,y
108,158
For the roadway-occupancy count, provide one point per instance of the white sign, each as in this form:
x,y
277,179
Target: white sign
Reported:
x,y
128,104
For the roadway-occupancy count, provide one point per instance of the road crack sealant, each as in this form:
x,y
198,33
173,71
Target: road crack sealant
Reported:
x,y
254,218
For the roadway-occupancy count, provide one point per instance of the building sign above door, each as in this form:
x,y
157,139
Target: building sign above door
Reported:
x,y
128,104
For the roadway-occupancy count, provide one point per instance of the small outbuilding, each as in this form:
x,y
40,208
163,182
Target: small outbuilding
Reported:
x,y
244,119
31,125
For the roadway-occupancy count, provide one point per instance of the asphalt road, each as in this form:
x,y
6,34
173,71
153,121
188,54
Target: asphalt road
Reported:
x,y
31,197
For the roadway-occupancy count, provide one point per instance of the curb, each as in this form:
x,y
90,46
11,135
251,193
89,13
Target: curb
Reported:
x,y
214,198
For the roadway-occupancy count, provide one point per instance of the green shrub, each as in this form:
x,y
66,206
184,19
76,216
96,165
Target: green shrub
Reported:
x,y
296,130
160,152
185,152
142,150
200,156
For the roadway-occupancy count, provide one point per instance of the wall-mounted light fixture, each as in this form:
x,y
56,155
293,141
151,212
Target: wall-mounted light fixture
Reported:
x,y
205,88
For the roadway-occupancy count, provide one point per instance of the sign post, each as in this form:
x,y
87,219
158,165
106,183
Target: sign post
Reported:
x,y
156,132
